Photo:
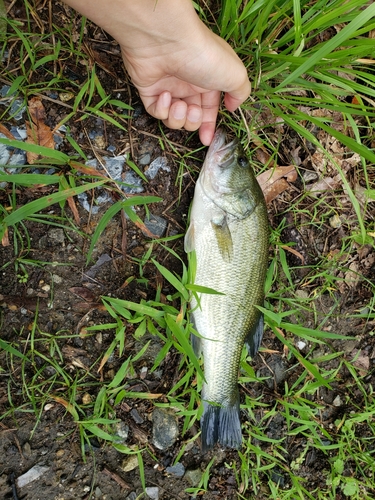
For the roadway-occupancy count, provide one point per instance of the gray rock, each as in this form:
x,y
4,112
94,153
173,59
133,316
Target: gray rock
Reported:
x,y
121,432
145,159
129,463
164,429
275,370
56,236
153,492
157,225
177,470
132,496
159,163
134,183
193,476
31,475
136,416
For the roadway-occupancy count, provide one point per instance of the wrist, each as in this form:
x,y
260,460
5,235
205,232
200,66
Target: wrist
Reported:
x,y
141,23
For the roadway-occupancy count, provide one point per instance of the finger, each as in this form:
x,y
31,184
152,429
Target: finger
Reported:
x,y
234,99
177,115
210,108
158,108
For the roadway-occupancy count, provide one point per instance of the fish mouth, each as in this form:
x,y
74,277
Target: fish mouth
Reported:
x,y
221,151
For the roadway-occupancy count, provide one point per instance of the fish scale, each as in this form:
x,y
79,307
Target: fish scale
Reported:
x,y
229,233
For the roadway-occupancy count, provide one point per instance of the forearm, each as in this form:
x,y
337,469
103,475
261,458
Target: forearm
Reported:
x,y
133,22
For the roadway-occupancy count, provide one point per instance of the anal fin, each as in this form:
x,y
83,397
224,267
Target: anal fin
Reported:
x,y
254,337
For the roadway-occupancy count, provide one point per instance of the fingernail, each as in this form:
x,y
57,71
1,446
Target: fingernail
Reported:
x,y
194,115
165,99
179,112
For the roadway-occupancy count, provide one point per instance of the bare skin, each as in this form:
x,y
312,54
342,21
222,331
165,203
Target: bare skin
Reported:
x,y
177,64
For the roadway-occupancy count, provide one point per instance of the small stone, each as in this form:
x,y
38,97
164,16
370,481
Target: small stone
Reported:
x,y
31,475
99,142
301,345
275,371
132,496
165,428
159,163
193,476
86,398
301,294
337,401
46,288
335,221
136,416
60,453
129,463
153,492
66,96
98,492
134,183
156,225
57,279
145,159
177,470
26,450
121,432
56,236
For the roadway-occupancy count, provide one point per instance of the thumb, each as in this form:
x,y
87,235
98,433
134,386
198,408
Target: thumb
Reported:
x,y
233,99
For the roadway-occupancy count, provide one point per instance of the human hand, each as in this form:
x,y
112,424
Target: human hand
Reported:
x,y
182,85
177,64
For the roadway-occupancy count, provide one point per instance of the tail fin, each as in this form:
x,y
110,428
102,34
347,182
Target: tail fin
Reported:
x,y
221,424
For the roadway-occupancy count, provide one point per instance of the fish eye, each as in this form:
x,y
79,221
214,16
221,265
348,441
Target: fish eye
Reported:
x,y
242,161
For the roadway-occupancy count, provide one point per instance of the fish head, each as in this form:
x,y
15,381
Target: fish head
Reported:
x,y
227,177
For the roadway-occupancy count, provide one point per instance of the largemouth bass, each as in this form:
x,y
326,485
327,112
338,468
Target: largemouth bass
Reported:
x,y
229,233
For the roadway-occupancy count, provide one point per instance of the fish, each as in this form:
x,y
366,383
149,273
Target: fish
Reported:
x,y
229,233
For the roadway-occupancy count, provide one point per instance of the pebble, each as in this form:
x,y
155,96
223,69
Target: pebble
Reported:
x,y
56,236
129,463
157,225
132,496
31,475
153,492
276,371
177,470
134,183
159,163
337,401
121,432
26,450
145,159
57,279
136,416
335,221
193,476
98,492
164,429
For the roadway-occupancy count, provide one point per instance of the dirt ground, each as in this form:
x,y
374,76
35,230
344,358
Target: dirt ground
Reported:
x,y
57,295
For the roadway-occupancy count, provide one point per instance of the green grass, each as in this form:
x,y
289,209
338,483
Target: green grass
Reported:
x,y
311,68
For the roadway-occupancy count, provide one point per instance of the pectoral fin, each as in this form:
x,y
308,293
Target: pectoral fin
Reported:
x,y
223,237
254,337
189,242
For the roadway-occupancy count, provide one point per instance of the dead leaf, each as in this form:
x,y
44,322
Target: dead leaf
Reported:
x,y
5,131
276,180
73,208
37,131
5,239
84,293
